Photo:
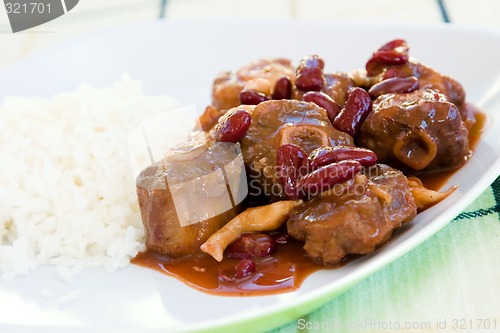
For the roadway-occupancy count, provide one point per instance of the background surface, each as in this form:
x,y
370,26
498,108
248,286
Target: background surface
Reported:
x,y
92,15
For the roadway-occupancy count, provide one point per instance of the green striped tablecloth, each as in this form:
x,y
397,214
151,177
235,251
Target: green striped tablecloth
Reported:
x,y
450,283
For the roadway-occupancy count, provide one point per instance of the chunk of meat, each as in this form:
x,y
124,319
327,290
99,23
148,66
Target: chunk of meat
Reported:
x,y
354,218
392,60
262,75
336,86
279,122
174,226
209,118
422,130
258,75
428,77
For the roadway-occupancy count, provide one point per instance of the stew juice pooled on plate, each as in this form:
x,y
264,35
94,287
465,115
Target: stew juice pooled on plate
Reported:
x,y
331,165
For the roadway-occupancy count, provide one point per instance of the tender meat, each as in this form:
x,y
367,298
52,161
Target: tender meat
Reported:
x,y
428,77
355,217
202,205
275,123
209,118
260,75
336,86
422,129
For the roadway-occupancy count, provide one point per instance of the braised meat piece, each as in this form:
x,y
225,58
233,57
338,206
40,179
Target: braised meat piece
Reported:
x,y
279,122
422,130
336,86
428,78
263,80
259,76
392,60
184,199
355,217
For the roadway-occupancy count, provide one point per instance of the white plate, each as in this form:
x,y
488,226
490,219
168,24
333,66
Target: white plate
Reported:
x,y
181,59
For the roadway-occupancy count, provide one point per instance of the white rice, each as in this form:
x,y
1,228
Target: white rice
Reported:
x,y
67,192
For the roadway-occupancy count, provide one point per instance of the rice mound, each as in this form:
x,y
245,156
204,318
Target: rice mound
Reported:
x,y
67,192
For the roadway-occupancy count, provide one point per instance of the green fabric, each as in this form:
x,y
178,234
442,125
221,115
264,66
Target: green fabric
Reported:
x,y
450,283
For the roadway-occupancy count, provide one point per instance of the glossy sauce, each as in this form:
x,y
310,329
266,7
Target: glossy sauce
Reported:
x,y
284,271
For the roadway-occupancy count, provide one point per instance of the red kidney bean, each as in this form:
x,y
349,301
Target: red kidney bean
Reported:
x,y
244,268
327,155
310,80
282,89
289,161
390,57
327,176
310,73
399,45
384,58
323,100
250,246
357,107
233,127
398,85
392,53
252,97
364,156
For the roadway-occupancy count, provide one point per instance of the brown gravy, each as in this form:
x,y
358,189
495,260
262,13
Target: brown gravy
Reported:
x,y
284,271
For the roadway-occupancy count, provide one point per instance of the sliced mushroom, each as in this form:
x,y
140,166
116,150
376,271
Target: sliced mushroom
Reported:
x,y
424,197
263,218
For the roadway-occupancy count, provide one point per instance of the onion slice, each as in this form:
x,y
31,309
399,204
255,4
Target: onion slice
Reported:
x,y
424,197
263,218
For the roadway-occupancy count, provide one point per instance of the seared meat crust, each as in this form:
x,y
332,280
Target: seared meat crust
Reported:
x,y
422,130
355,217
228,85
